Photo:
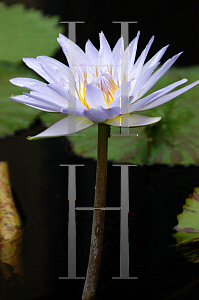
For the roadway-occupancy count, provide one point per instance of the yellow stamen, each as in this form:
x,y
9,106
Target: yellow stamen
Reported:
x,y
82,99
106,84
96,72
111,71
124,78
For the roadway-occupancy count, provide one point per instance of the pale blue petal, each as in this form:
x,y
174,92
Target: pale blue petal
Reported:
x,y
141,103
138,84
52,99
136,70
91,52
105,54
41,88
123,90
28,83
154,60
123,103
132,120
132,48
36,103
65,94
117,54
76,57
127,61
110,112
117,51
122,74
158,74
168,97
59,73
68,125
35,65
94,115
94,96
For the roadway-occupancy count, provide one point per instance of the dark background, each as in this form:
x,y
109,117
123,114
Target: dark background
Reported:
x,y
172,22
156,193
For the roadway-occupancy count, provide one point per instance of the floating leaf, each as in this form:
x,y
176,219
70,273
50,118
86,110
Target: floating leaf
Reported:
x,y
14,115
187,235
10,227
173,140
26,33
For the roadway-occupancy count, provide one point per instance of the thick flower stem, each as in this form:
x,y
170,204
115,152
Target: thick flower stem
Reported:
x,y
92,275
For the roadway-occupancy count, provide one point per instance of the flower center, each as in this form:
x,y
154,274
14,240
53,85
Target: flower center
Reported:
x,y
105,82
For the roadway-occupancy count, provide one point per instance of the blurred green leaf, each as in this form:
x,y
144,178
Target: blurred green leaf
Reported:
x,y
173,140
14,115
26,33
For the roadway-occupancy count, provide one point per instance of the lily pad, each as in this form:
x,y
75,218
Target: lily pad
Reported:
x,y
187,235
26,33
14,115
188,220
173,140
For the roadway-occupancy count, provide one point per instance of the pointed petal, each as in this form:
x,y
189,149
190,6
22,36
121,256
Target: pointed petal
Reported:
x,y
74,107
117,54
36,103
66,95
94,96
91,52
127,61
77,59
105,54
122,74
50,97
68,125
169,97
35,65
158,74
138,105
133,49
28,83
41,88
155,59
132,120
117,51
138,84
136,70
59,73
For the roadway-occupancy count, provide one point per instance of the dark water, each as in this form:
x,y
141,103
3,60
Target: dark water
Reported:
x,y
156,196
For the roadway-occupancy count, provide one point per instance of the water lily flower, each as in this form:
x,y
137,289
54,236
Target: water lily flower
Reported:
x,y
98,86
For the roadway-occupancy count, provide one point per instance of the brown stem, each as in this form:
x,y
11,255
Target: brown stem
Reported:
x,y
92,275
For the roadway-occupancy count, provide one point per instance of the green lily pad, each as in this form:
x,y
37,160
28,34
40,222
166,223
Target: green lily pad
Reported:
x,y
187,235
14,115
26,33
173,140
